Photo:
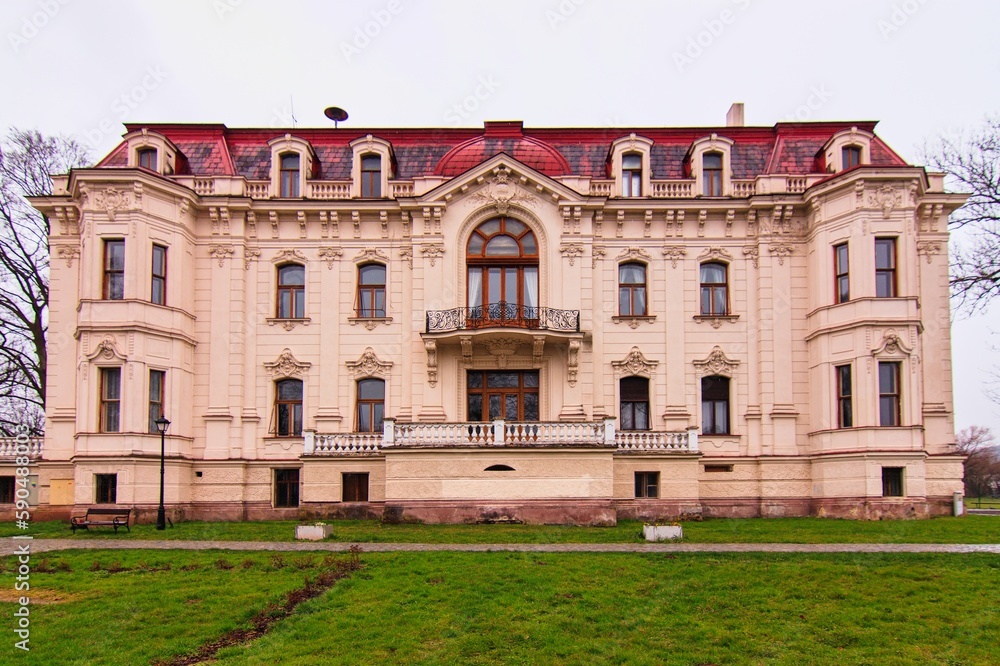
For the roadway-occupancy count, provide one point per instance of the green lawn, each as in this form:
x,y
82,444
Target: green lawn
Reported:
x,y
494,608
968,529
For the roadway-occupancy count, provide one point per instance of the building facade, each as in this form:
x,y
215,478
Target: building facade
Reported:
x,y
501,324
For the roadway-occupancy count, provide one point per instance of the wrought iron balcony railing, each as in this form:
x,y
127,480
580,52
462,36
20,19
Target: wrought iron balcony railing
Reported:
x,y
504,315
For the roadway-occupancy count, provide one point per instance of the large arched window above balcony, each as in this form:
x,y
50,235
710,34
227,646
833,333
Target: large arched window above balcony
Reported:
x,y
502,258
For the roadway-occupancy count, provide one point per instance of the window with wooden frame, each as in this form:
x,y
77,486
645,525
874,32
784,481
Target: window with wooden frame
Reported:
x,y
371,176
7,489
114,270
371,405
715,405
291,291
885,267
510,395
287,414
634,401
647,485
631,175
147,158
355,486
289,175
841,273
111,396
632,290
158,294
286,488
711,164
888,394
892,482
105,489
845,400
157,385
371,291
850,156
502,258
714,289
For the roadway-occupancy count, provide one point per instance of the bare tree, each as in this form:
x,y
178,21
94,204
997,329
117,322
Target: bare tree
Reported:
x,y
982,463
27,158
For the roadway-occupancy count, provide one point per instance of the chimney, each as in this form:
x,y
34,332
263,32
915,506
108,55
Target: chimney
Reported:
x,y
735,116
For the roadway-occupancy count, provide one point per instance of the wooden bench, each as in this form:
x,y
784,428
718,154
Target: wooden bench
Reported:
x,y
102,517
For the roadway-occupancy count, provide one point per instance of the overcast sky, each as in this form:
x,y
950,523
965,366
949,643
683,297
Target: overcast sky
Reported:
x,y
921,67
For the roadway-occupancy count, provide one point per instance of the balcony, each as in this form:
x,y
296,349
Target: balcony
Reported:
x,y
503,315
33,448
499,433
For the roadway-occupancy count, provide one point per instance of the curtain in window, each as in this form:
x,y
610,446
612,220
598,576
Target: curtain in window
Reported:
x,y
475,287
531,287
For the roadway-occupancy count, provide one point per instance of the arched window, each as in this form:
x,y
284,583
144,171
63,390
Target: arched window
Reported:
x,y
371,291
371,176
502,259
371,405
851,156
714,289
715,405
147,158
634,403
712,171
632,290
290,175
291,292
631,175
287,408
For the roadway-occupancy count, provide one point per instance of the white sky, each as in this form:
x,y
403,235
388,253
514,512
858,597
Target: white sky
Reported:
x,y
921,67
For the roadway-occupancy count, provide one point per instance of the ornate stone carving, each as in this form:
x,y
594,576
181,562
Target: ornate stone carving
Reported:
x,y
674,253
752,252
371,254
69,253
250,255
502,348
501,191
432,252
406,254
634,253
571,251
892,344
112,200
289,254
466,342
886,197
286,365
251,224
369,365
537,347
430,346
635,363
928,249
573,362
107,350
597,253
221,252
717,363
780,250
273,216
715,254
330,255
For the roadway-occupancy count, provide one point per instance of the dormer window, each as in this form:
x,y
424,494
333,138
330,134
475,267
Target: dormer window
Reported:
x,y
846,149
290,175
712,174
851,156
632,175
371,176
628,164
147,158
151,150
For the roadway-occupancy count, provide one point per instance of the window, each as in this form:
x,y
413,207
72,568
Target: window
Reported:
x,y
159,292
355,486
634,403
503,275
851,156
632,290
289,175
712,174
286,488
888,394
631,175
157,382
371,291
715,405
114,270
714,289
512,396
371,405
845,408
291,292
892,482
147,158
371,176
287,408
105,488
647,485
6,490
111,395
841,273
885,267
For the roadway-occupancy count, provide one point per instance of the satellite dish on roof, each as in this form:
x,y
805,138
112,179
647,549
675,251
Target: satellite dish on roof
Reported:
x,y
336,114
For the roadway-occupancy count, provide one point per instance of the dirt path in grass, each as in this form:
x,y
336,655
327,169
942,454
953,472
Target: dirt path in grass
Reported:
x,y
10,545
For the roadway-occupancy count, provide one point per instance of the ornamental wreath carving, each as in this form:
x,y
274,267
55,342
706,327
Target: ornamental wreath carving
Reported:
x,y
635,363
107,350
501,192
369,365
717,363
892,344
286,365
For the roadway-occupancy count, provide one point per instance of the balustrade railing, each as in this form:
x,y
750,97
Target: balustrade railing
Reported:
x,y
601,188
401,188
10,448
327,189
744,188
503,315
649,440
259,189
672,189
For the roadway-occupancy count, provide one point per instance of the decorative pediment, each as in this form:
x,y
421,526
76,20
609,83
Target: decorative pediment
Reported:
x,y
371,254
717,363
715,254
674,253
501,191
106,350
635,363
634,254
286,365
892,344
288,255
369,365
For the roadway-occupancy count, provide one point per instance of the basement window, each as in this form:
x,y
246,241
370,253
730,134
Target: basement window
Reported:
x,y
718,468
499,468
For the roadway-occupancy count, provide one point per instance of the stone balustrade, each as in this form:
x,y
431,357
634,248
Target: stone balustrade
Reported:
x,y
8,447
649,440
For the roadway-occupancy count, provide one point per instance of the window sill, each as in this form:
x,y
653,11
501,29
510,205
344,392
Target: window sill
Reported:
x,y
716,320
288,324
633,320
370,322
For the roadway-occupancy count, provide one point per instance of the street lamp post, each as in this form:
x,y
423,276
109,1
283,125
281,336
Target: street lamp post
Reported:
x,y
161,425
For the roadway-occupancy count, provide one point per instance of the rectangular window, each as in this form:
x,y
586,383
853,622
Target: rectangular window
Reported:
x,y
851,156
841,273
371,291
111,395
632,175
157,381
712,164
647,484
715,405
355,486
714,289
892,482
885,267
147,158
286,487
371,176
888,394
287,408
632,290
289,175
845,408
6,490
291,292
634,403
159,290
105,488
511,395
114,270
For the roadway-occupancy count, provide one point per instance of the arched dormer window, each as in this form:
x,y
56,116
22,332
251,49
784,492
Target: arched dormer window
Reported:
x,y
629,165
371,176
502,258
847,149
147,158
371,168
710,162
631,175
711,169
293,162
151,150
289,173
